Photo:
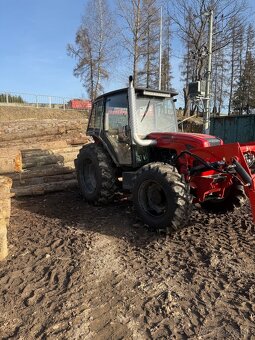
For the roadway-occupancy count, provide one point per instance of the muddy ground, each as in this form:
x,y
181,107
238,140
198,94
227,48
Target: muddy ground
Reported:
x,y
80,272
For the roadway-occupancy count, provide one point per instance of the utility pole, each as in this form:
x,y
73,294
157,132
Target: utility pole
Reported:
x,y
160,50
206,123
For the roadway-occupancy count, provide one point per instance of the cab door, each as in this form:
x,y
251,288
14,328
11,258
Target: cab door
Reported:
x,y
116,126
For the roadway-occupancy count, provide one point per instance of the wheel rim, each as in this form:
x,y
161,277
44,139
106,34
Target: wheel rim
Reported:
x,y
152,198
89,176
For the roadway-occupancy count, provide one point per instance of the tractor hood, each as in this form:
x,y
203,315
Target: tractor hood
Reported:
x,y
184,140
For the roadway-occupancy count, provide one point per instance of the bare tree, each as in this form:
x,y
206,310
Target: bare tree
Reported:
x,y
130,12
148,73
235,48
93,47
166,77
140,38
195,33
244,96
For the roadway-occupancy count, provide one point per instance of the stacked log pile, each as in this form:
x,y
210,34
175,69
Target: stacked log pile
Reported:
x,y
39,155
5,210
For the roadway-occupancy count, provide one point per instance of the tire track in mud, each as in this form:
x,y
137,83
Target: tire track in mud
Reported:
x,y
106,277
41,280
191,279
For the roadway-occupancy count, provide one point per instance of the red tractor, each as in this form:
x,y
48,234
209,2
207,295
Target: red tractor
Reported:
x,y
137,147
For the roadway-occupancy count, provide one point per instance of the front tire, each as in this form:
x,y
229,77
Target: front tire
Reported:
x,y
161,197
96,174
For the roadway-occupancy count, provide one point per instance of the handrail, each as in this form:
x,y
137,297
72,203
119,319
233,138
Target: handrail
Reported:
x,y
184,120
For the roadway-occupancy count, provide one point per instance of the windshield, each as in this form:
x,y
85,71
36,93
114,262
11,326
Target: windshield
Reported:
x,y
154,114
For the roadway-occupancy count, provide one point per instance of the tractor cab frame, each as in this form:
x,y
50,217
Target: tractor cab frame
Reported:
x,y
121,120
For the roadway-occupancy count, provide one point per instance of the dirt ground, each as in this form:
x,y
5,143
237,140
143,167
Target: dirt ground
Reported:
x,y
76,271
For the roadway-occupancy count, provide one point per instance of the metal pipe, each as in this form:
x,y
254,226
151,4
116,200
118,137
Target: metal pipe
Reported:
x,y
132,111
208,78
242,172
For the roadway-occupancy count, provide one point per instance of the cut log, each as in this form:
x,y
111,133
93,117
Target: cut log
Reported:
x,y
47,170
40,158
5,211
5,206
3,240
39,161
42,180
42,189
5,186
44,152
56,144
34,128
81,140
10,160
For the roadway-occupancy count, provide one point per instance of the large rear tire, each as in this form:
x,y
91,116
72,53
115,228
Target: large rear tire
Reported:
x,y
235,198
161,197
96,174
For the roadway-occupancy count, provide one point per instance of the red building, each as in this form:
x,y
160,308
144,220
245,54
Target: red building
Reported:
x,y
80,104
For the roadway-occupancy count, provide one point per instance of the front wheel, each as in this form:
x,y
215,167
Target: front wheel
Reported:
x,y
161,197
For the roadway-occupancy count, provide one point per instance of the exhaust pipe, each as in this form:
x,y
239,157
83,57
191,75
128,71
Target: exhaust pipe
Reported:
x,y
133,119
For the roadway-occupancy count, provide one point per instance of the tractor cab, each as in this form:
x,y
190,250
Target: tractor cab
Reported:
x,y
122,120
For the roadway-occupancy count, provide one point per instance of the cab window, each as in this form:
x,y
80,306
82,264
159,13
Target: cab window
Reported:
x,y
96,117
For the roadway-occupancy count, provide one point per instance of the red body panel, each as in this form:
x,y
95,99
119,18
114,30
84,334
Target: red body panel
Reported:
x,y
181,141
209,181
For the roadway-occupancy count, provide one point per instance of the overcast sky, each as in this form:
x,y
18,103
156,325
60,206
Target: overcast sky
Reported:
x,y
33,59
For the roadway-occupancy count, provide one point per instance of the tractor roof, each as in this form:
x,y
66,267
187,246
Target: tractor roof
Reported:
x,y
140,90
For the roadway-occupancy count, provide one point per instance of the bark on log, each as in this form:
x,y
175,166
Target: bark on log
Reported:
x,y
5,211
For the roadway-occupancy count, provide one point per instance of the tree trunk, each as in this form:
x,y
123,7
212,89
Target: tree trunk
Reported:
x,y
186,112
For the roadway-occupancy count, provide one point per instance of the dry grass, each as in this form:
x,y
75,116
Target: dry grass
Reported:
x,y
11,113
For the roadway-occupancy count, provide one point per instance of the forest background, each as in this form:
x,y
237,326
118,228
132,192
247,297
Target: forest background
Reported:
x,y
123,37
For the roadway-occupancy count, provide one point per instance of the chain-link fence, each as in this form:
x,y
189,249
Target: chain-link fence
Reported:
x,y
38,100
